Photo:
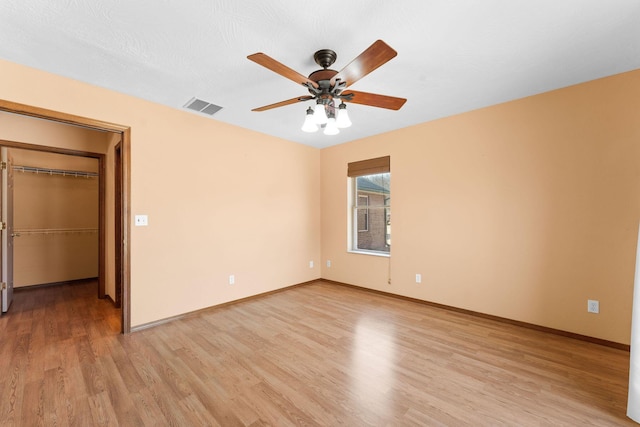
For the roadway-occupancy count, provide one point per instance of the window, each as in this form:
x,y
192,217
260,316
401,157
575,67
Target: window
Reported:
x,y
371,206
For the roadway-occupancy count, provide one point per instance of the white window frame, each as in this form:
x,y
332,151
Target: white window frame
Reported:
x,y
353,222
366,213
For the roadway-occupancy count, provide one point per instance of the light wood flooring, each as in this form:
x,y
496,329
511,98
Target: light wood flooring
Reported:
x,y
314,355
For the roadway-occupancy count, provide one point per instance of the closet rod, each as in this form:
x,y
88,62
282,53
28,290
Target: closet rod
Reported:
x,y
48,171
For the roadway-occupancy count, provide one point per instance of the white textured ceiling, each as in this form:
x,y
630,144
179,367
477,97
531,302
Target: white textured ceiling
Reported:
x,y
453,55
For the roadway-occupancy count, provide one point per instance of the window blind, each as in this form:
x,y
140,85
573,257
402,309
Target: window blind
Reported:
x,y
369,167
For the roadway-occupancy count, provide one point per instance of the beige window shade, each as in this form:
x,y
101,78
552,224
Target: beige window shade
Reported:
x,y
369,167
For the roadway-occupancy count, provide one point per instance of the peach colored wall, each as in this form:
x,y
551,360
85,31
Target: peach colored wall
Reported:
x,y
522,210
221,200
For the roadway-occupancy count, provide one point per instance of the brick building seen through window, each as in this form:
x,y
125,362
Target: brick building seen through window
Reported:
x,y
373,213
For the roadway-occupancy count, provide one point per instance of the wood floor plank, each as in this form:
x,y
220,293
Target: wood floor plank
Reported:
x,y
15,374
314,355
198,414
32,413
102,412
118,393
79,411
148,411
130,377
55,407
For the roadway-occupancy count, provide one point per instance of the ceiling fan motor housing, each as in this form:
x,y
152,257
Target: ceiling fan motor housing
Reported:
x,y
325,57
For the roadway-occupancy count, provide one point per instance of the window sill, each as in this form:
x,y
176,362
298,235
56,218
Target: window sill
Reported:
x,y
361,252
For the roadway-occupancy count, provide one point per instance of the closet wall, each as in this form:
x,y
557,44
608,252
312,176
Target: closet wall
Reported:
x,y
55,217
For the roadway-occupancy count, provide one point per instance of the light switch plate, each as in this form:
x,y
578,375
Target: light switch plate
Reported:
x,y
141,220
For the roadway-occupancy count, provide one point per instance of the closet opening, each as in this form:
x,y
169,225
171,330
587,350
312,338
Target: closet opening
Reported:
x,y
100,161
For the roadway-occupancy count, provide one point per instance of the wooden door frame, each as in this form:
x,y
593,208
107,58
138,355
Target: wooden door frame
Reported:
x,y
118,244
125,162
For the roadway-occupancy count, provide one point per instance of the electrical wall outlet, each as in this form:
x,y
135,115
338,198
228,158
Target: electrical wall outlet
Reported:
x,y
310,264
418,278
232,279
593,306
328,263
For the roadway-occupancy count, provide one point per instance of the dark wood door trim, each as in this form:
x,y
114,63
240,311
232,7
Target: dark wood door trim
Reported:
x,y
118,222
102,219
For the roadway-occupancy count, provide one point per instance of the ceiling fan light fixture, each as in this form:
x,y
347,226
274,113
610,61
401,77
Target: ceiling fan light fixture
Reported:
x,y
343,120
327,86
331,128
309,124
320,113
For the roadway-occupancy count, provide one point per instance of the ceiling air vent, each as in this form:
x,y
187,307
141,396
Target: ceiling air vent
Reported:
x,y
201,106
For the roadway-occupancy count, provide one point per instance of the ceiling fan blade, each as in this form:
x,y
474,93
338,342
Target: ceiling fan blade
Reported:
x,y
375,100
374,56
283,103
277,67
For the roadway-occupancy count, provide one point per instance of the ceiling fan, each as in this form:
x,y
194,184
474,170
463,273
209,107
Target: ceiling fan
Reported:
x,y
327,86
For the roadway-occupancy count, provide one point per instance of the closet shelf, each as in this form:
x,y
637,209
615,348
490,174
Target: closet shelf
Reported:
x,y
18,233
61,172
